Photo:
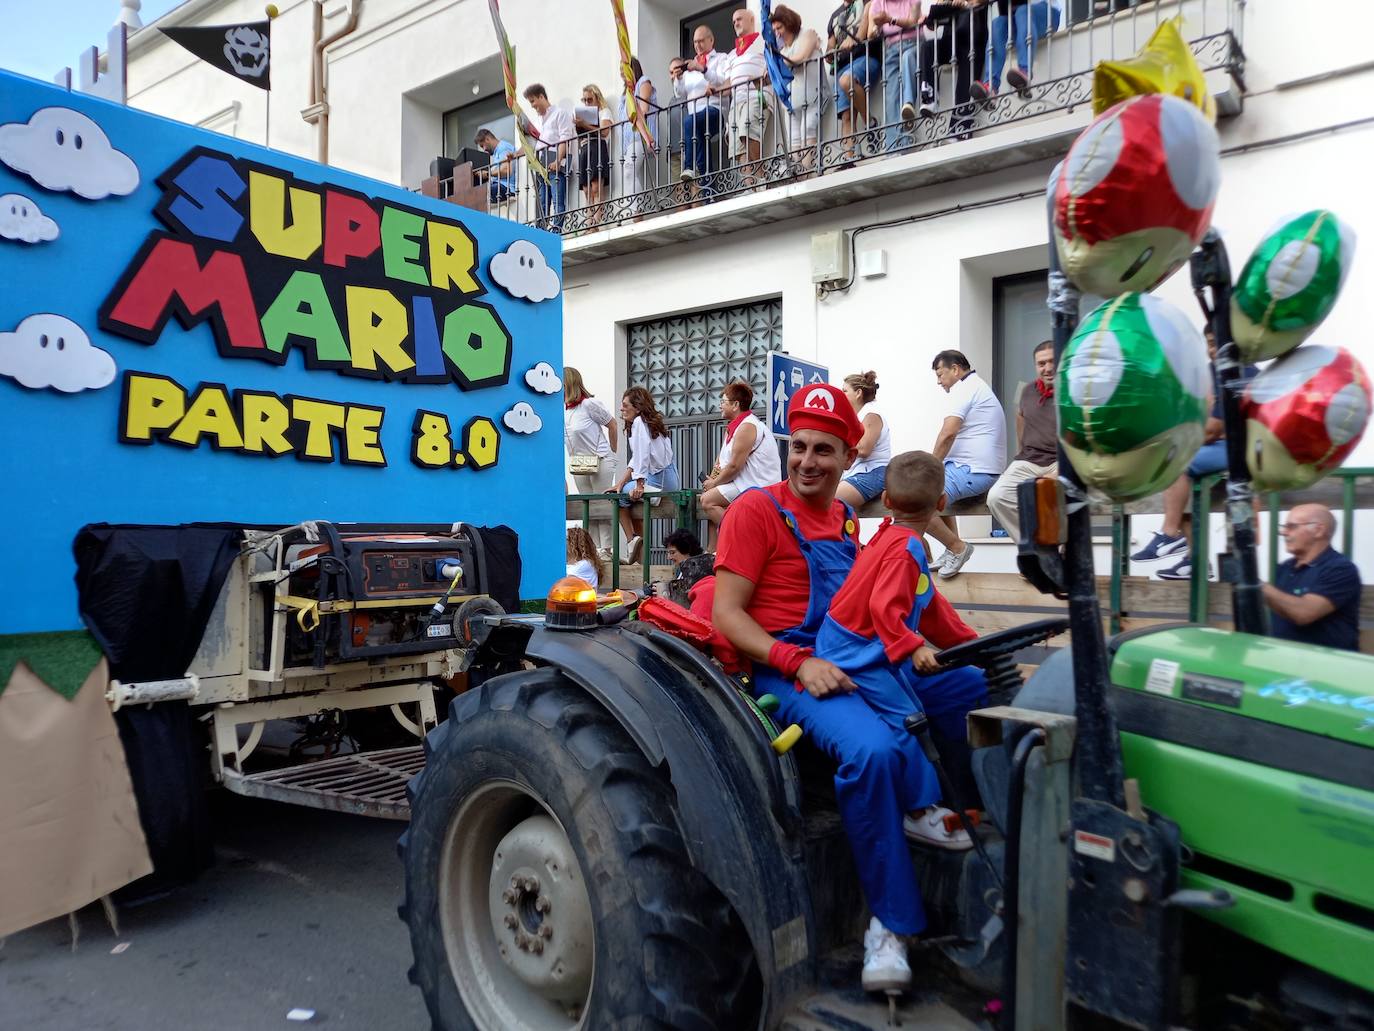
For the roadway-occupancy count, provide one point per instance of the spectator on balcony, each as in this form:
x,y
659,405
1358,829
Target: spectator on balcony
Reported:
x,y
582,559
590,439
868,474
637,153
963,39
1027,21
856,69
742,76
972,443
651,467
700,119
700,125
594,153
500,174
556,135
1037,428
799,46
748,457
898,22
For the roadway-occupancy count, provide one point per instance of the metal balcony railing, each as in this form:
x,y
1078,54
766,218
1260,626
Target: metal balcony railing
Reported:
x,y
854,102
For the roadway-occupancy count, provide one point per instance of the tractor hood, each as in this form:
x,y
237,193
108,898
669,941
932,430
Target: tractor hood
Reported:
x,y
1302,687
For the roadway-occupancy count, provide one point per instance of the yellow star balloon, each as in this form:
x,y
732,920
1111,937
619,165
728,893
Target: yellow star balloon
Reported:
x,y
1164,65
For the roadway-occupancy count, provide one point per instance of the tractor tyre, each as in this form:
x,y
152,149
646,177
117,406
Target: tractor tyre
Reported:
x,y
547,883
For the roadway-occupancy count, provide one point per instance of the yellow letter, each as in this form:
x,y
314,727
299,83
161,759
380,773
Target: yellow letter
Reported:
x,y
452,258
211,413
267,213
265,422
377,323
319,417
361,427
151,403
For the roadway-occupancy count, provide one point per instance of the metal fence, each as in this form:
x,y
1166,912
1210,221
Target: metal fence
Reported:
x,y
853,101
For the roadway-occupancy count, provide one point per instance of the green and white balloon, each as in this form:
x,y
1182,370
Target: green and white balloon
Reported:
x,y
1290,284
1132,395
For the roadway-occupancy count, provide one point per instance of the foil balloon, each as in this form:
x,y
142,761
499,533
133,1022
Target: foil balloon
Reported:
x,y
1135,195
1290,284
1132,396
1303,416
1164,65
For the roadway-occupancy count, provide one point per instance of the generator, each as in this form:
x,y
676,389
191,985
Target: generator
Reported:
x,y
365,594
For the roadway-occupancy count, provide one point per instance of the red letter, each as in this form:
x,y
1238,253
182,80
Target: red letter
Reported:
x,y
170,270
351,228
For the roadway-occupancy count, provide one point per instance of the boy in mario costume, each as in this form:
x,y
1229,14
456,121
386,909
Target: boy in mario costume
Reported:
x,y
874,632
784,552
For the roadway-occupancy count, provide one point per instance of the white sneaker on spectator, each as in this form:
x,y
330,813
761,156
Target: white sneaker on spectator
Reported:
x,y
604,554
632,549
885,965
688,172
927,105
951,562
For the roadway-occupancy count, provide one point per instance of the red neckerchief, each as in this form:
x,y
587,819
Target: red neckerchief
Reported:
x,y
734,425
570,406
1046,392
743,43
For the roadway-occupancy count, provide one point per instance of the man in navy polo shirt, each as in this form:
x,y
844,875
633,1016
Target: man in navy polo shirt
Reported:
x,y
1316,599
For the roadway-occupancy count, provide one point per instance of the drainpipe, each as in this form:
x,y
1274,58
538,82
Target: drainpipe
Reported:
x,y
317,113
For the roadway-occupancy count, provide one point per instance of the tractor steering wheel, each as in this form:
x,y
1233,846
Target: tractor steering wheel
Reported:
x,y
985,649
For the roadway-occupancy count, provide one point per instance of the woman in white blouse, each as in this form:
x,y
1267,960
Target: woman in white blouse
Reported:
x,y
868,475
651,464
590,433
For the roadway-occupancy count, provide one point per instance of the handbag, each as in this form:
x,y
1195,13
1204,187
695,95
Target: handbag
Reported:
x,y
584,465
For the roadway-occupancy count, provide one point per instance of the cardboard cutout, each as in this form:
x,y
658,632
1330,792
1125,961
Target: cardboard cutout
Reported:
x,y
522,272
543,380
21,219
52,351
61,149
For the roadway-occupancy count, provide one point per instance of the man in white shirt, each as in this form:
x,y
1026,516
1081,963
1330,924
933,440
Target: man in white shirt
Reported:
x,y
972,443
739,75
556,133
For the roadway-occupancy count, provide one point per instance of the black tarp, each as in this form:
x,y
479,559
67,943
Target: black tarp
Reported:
x,y
501,551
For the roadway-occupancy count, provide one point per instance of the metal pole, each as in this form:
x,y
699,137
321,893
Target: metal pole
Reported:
x,y
1099,749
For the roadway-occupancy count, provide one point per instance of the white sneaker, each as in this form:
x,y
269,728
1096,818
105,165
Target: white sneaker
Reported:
x,y
950,563
632,548
929,829
885,965
604,554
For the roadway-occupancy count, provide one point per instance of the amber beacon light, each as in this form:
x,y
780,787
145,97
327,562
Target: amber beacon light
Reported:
x,y
570,605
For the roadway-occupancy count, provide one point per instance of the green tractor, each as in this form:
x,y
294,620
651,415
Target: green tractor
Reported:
x,y
1179,824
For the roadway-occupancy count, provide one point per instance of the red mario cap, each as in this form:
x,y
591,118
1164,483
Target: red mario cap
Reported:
x,y
823,407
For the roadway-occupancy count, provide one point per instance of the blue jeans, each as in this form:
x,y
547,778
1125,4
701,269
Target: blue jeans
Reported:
x,y
961,482
1210,458
869,484
552,198
899,87
666,479
697,129
862,71
1040,17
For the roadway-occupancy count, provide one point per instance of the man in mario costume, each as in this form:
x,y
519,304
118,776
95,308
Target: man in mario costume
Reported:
x,y
784,552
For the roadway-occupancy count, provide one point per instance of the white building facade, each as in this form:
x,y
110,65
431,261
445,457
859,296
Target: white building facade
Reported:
x,y
942,234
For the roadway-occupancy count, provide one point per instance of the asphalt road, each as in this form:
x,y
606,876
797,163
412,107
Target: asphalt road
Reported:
x,y
299,910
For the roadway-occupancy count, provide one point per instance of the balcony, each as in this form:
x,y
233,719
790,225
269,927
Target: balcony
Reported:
x,y
817,157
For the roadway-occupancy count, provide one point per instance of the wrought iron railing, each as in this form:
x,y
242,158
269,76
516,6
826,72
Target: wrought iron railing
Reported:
x,y
688,167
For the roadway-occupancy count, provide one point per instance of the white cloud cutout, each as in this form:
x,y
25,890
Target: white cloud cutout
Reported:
x,y
53,351
21,219
61,149
523,419
521,271
543,379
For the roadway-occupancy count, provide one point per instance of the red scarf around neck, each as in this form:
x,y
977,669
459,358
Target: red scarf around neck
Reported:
x,y
743,43
734,425
1046,392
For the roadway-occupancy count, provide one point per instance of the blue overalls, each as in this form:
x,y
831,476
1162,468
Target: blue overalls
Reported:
x,y
881,773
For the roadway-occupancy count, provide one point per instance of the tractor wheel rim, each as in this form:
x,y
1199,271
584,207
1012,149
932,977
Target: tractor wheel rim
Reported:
x,y
514,913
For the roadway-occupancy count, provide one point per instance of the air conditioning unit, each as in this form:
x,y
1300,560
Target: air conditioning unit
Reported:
x,y
829,257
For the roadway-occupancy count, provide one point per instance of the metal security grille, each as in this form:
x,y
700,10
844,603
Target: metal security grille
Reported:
x,y
685,360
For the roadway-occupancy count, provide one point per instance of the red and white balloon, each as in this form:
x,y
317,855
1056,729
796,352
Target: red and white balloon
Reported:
x,y
1304,415
1135,195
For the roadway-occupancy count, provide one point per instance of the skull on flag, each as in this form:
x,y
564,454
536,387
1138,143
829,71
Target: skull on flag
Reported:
x,y
246,51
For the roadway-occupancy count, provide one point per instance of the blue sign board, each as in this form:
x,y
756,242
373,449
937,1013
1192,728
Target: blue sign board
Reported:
x,y
787,375
195,329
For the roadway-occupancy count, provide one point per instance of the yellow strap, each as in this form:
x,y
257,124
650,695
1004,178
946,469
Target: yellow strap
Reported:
x,y
309,610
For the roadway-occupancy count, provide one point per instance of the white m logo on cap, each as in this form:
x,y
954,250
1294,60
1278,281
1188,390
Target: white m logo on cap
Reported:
x,y
819,398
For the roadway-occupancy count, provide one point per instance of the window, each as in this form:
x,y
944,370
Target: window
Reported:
x,y
461,124
717,19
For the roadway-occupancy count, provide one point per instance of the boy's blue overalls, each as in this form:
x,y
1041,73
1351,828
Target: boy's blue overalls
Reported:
x,y
882,773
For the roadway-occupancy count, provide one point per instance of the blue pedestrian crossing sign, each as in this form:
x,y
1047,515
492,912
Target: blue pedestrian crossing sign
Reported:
x,y
787,375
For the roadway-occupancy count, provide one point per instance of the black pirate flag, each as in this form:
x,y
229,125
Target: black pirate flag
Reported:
x,y
243,51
